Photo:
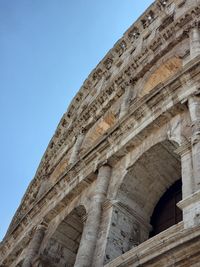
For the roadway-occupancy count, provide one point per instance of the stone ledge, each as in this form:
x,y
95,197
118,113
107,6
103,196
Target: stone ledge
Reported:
x,y
157,247
189,200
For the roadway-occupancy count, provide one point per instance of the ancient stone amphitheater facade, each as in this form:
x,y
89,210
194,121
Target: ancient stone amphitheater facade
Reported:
x,y
119,184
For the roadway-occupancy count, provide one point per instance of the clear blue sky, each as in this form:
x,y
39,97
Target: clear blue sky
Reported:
x,y
47,50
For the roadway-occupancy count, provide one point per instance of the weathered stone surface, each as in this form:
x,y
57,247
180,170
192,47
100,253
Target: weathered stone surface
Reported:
x,y
129,134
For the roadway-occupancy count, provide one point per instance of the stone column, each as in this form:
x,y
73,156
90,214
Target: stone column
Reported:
x,y
194,108
125,102
34,246
190,204
102,240
90,232
76,148
185,153
194,42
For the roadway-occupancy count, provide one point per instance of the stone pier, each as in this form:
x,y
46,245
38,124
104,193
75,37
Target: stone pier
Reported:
x,y
194,42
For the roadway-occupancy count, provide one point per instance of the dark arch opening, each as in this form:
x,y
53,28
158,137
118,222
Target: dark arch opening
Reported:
x,y
166,212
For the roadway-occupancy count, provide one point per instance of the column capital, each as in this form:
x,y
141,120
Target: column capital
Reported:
x,y
183,149
104,171
103,164
42,226
192,96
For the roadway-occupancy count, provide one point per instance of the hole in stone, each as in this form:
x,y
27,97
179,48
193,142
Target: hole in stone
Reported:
x,y
107,256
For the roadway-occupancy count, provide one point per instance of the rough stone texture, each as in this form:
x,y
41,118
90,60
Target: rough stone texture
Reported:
x,y
124,233
34,246
131,131
90,232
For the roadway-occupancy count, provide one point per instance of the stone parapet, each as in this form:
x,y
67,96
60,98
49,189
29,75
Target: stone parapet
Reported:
x,y
165,248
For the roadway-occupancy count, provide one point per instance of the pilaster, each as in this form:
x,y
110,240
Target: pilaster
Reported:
x,y
34,246
125,102
76,148
91,228
194,41
194,108
185,152
190,157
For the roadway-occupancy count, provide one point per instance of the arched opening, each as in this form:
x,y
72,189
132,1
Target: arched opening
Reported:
x,y
164,72
141,189
63,245
166,212
99,129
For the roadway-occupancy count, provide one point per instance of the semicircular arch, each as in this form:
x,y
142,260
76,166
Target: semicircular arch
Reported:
x,y
149,177
62,244
164,134
163,69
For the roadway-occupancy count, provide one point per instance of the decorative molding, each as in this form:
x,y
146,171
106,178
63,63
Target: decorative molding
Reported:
x,y
183,149
192,199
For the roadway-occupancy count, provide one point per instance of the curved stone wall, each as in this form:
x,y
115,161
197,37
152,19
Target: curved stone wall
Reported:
x,y
113,150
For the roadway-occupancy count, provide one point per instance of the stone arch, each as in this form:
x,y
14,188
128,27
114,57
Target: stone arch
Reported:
x,y
99,129
61,248
163,69
149,177
144,183
161,73
175,131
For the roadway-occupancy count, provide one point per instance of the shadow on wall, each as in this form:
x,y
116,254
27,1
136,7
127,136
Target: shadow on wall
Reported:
x,y
63,245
